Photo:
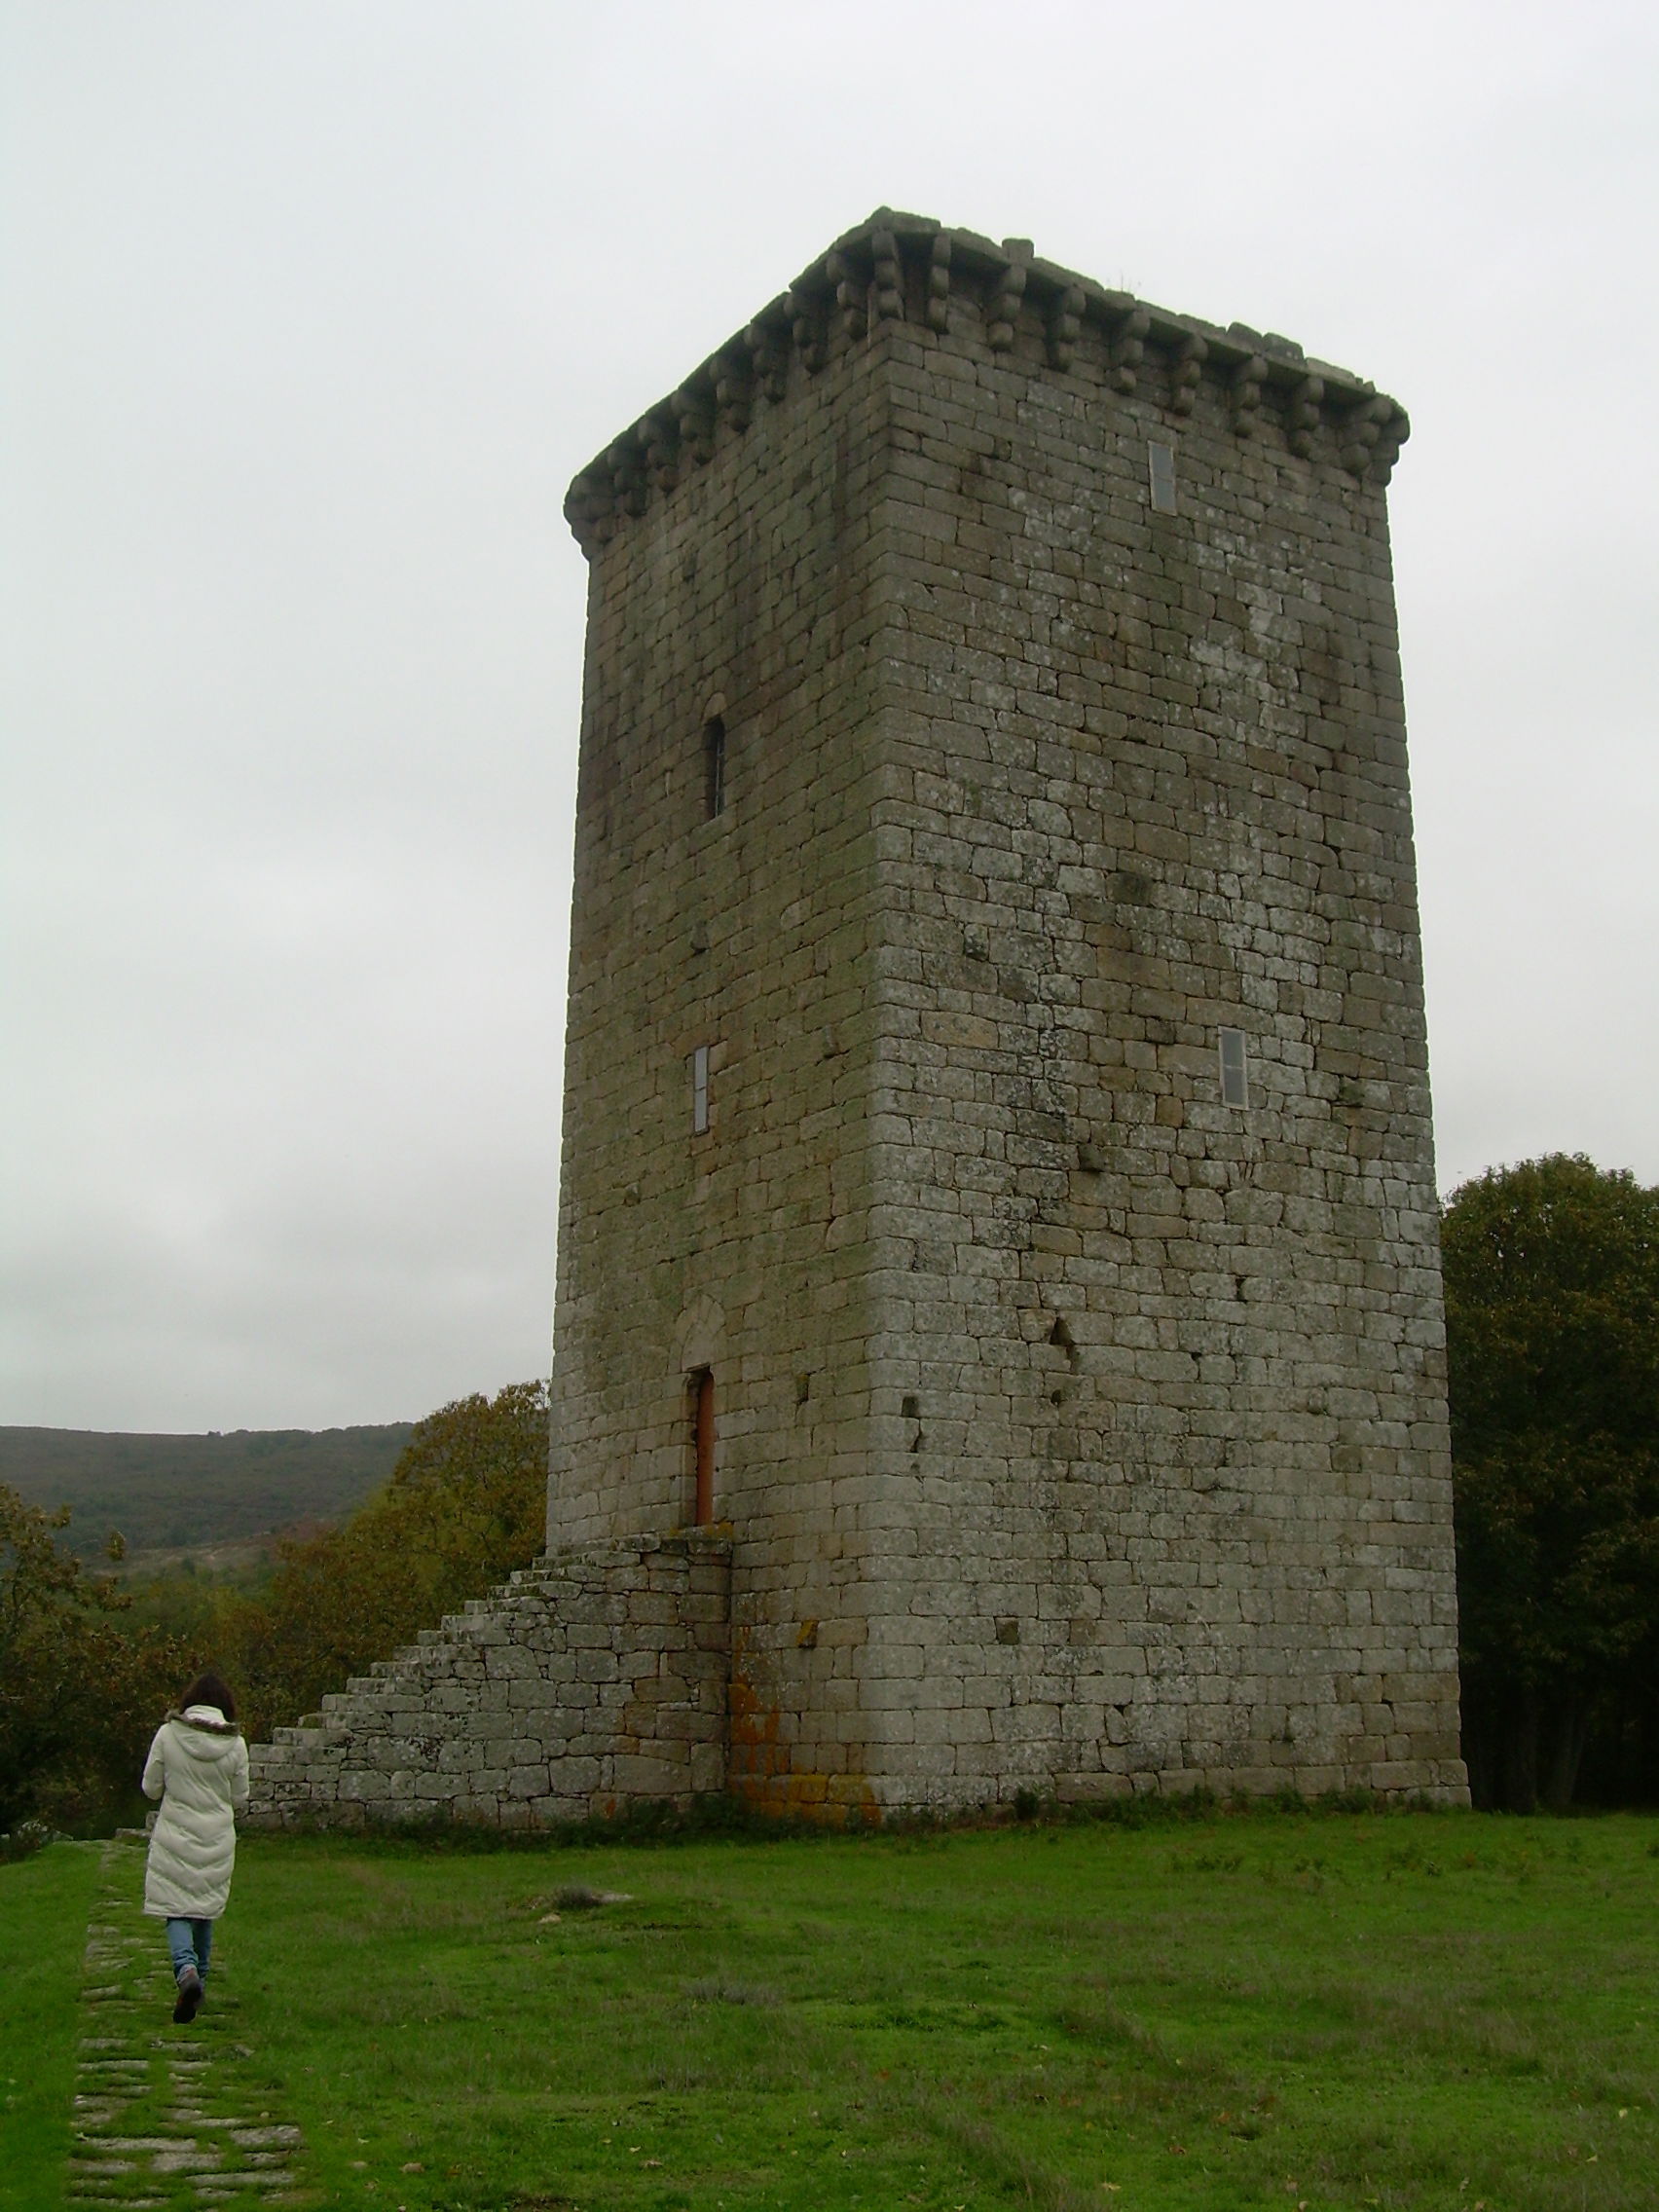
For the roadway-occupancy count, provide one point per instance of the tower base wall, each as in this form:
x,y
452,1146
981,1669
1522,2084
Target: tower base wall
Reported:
x,y
607,1676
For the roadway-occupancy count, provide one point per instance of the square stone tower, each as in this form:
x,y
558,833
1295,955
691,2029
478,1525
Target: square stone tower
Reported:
x,y
997,1186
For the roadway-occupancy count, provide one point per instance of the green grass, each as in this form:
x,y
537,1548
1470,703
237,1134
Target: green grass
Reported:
x,y
1273,2009
45,1902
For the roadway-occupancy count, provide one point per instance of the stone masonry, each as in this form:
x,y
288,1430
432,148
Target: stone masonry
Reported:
x,y
997,1180
590,1680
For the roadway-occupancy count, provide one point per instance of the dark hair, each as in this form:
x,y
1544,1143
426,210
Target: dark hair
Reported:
x,y
211,1690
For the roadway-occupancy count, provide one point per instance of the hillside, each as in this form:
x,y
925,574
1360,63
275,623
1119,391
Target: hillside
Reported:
x,y
173,1491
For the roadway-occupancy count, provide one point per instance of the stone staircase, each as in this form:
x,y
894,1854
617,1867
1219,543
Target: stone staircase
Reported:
x,y
596,1677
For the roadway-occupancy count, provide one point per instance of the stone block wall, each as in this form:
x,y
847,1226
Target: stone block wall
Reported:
x,y
1157,1385
593,1678
745,596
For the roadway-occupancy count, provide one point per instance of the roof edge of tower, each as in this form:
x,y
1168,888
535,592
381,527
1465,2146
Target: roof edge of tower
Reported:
x,y
896,268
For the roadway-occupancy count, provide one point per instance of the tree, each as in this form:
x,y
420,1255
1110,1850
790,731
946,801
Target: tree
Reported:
x,y
1552,1317
79,1693
464,1505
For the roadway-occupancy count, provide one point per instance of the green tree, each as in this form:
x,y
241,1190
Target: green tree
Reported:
x,y
1551,1313
79,1692
464,1505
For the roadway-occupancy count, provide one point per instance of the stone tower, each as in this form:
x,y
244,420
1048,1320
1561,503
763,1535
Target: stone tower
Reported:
x,y
998,1188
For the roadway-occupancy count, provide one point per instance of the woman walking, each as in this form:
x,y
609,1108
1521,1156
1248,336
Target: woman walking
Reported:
x,y
197,1767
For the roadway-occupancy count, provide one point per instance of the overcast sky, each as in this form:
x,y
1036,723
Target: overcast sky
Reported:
x,y
312,309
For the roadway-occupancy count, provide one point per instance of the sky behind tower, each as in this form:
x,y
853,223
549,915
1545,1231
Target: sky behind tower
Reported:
x,y
313,309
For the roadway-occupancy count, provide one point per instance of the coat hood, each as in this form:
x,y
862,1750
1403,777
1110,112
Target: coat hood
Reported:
x,y
203,1732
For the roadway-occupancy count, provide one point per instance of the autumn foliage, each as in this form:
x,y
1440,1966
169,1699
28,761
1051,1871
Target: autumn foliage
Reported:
x,y
466,1505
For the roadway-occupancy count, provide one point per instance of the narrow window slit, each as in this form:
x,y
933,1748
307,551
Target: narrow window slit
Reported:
x,y
1161,470
714,767
702,1394
1235,1069
700,1091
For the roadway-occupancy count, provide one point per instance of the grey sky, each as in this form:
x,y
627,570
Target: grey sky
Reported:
x,y
311,310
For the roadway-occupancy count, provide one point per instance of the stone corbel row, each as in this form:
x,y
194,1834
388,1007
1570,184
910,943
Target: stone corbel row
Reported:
x,y
1369,428
867,295
860,286
680,434
1369,434
862,282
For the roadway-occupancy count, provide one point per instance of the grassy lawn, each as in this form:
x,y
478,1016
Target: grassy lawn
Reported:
x,y
45,1902
1272,2010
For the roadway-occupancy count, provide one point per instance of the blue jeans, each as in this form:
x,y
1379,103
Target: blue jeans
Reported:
x,y
189,1942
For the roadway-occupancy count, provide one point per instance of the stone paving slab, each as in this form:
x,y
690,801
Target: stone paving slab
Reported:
x,y
164,2114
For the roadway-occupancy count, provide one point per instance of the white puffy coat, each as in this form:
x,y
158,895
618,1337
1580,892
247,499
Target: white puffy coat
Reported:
x,y
197,1767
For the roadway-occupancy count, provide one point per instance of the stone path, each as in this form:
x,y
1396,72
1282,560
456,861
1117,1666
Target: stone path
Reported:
x,y
165,2116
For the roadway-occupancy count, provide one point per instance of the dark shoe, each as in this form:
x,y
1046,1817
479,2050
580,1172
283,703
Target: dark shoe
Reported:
x,y
189,1995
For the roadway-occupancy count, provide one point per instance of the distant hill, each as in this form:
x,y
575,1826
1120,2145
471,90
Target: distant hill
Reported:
x,y
174,1492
